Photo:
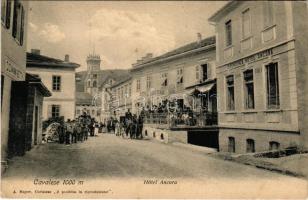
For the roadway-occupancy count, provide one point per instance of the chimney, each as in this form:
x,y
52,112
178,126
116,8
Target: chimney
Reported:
x,y
36,51
67,58
199,37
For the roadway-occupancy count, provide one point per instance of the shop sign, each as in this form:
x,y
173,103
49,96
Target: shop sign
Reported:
x,y
12,70
252,58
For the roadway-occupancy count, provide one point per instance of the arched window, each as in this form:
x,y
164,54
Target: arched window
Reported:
x,y
162,136
274,145
89,83
146,132
94,84
250,146
154,135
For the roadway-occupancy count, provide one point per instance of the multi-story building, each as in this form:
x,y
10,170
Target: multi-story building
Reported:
x,y
261,75
21,93
59,77
185,76
13,60
121,97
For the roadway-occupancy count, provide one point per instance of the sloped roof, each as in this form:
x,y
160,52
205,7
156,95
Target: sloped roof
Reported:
x,y
124,79
37,60
186,48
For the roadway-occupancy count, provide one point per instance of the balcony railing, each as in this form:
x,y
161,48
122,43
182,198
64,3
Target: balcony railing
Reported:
x,y
194,119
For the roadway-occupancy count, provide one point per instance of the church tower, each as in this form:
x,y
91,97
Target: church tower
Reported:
x,y
93,69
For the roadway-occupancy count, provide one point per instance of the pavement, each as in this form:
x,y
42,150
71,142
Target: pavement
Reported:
x,y
109,156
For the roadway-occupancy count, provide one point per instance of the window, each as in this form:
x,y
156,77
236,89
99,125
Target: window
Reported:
x,y
230,92
274,145
250,146
56,83
228,27
138,85
55,111
246,23
268,13
197,73
164,77
78,112
272,86
94,84
179,76
149,80
249,90
129,89
94,76
18,22
89,83
204,72
125,91
6,12
231,145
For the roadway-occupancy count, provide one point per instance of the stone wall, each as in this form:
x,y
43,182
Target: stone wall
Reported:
x,y
260,137
163,134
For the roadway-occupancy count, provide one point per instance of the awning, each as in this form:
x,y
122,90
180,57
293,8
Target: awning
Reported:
x,y
205,88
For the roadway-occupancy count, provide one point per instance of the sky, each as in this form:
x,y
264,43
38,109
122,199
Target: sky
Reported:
x,y
120,32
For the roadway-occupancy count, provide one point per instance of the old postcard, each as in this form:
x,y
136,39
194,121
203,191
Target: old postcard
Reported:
x,y
154,99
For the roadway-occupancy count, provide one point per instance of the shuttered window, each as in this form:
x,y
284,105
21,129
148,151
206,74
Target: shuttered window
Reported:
x,y
18,22
249,89
273,101
228,29
6,6
230,92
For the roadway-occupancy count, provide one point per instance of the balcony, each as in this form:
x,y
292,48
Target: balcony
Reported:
x,y
194,120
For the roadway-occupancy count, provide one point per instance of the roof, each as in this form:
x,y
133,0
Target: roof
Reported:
x,y
125,79
37,60
103,76
183,49
36,80
223,10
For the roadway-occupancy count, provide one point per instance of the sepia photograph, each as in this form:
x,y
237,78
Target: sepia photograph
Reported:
x,y
154,99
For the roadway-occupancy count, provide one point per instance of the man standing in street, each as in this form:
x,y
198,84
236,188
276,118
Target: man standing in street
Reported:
x,y
68,131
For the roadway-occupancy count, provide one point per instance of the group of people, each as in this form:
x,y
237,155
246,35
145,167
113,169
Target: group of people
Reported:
x,y
78,129
128,126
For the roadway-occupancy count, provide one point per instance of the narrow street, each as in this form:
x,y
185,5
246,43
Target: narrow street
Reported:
x,y
110,156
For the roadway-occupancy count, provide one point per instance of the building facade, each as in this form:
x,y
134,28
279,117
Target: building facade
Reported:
x,y
59,78
86,103
120,98
259,65
175,74
185,77
14,17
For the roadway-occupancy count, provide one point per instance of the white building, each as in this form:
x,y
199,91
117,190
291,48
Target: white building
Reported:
x,y
59,77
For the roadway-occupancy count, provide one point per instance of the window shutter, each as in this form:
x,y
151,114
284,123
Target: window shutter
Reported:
x,y
15,19
8,14
49,111
22,26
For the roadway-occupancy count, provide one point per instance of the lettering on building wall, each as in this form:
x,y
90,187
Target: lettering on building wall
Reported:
x,y
252,58
12,71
